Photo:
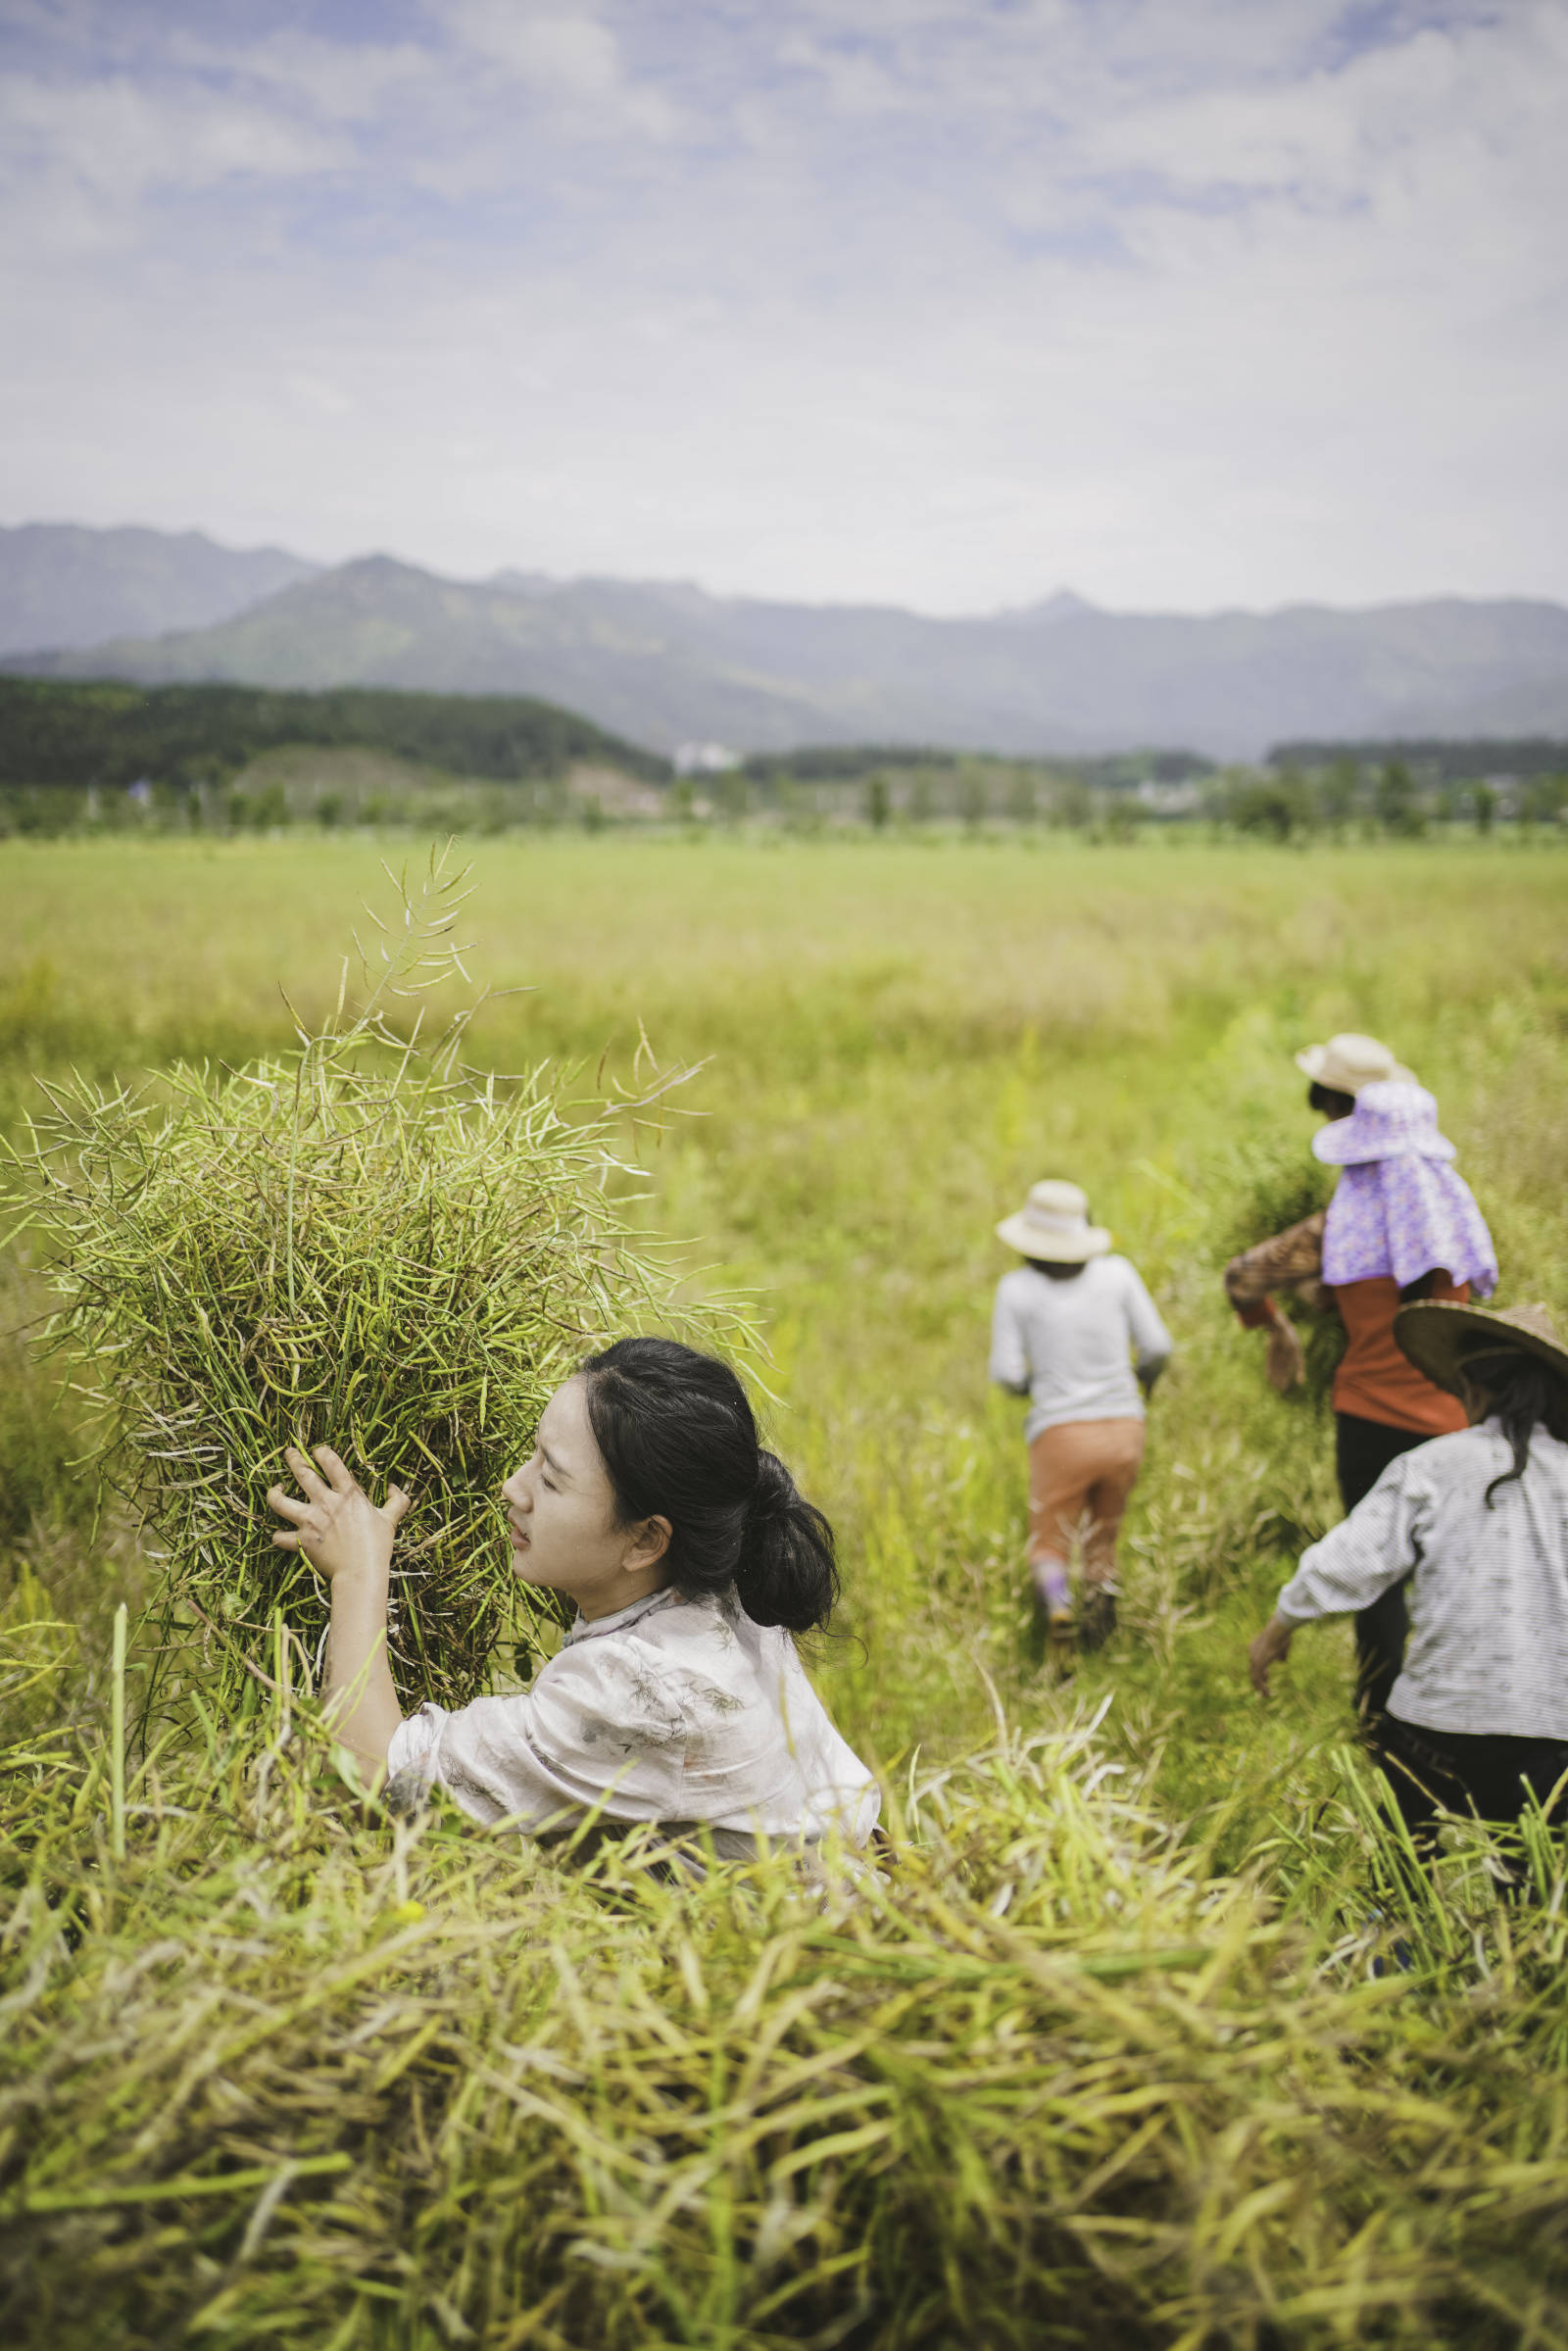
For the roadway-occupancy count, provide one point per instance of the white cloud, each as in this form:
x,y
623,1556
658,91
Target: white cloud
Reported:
x,y
314,394
1183,304
119,139
342,81
572,58
854,79
573,54
1327,137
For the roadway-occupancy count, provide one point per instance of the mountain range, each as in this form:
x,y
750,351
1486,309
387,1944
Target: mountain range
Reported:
x,y
664,662
63,586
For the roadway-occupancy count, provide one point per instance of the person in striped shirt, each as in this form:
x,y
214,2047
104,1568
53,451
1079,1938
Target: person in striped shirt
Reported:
x,y
1477,1520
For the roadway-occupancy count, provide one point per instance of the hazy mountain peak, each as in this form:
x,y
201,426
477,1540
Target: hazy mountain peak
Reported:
x,y
61,584
1062,603
379,565
514,582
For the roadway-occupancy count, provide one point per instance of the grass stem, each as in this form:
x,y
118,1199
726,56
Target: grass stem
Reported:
x,y
117,1737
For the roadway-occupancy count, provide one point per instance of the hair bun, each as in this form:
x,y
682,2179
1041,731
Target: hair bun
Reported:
x,y
787,1573
775,1490
678,1440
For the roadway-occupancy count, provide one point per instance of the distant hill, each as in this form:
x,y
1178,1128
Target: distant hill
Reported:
x,y
664,664
58,733
64,586
626,656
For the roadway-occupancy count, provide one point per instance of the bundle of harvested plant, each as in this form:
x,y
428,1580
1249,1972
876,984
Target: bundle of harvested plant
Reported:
x,y
363,1241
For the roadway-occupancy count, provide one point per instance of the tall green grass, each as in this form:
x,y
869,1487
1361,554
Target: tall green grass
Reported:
x,y
1105,2055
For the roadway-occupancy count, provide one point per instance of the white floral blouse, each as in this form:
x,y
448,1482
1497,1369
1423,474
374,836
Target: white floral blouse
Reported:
x,y
672,1710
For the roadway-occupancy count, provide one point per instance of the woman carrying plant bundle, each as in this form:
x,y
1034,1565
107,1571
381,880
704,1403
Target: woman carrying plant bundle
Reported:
x,y
1478,1719
1403,1225
1076,1332
677,1696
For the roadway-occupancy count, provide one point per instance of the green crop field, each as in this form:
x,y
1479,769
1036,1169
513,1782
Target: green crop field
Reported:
x,y
1106,2056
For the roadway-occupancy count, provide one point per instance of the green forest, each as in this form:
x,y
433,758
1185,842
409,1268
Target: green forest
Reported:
x,y
59,734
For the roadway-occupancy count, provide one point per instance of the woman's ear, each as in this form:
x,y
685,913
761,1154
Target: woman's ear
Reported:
x,y
649,1542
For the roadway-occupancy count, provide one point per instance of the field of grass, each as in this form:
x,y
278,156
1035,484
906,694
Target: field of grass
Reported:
x,y
1105,2055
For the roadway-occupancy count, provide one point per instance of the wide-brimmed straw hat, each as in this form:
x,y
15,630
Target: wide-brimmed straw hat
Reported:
x,y
1053,1225
1350,1061
1440,1337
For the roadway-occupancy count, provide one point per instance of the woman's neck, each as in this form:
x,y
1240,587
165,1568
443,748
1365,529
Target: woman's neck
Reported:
x,y
592,1606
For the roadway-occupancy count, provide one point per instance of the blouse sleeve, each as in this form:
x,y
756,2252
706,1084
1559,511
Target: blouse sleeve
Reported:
x,y
1152,1342
1009,1358
1356,1561
597,1728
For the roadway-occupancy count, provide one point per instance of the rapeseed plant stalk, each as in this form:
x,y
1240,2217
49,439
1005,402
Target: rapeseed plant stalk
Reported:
x,y
279,2070
363,1241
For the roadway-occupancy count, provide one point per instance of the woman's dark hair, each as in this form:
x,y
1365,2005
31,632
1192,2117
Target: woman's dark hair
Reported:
x,y
679,1441
1330,1101
1524,1394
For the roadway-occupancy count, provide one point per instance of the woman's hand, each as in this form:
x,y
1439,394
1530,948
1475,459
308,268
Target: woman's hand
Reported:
x,y
1285,1363
1270,1648
337,1526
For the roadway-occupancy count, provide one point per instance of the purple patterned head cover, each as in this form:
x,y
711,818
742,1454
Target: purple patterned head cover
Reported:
x,y
1400,1209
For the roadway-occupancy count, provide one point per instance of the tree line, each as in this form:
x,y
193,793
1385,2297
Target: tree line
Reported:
x,y
1391,796
1432,761
105,756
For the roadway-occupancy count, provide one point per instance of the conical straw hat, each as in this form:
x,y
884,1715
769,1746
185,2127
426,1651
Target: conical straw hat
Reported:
x,y
1439,1338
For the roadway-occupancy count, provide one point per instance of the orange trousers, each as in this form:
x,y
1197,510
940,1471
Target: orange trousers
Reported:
x,y
1081,1475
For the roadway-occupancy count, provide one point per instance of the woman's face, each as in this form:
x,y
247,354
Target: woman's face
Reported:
x,y
1328,1104
560,1511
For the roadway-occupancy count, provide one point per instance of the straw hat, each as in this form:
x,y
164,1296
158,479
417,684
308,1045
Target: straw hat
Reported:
x,y
1440,1337
1350,1061
1053,1225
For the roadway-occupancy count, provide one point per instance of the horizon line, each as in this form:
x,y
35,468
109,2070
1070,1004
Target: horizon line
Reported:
x,y
1069,600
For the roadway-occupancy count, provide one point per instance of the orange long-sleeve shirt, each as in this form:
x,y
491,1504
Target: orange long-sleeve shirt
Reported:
x,y
1376,1380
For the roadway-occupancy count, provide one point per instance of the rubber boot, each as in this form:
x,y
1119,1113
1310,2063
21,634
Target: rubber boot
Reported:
x,y
1097,1618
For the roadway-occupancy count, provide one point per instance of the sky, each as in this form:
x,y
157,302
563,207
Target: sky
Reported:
x,y
1183,304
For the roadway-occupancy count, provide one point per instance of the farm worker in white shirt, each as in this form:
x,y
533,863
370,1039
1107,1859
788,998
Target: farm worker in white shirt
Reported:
x,y
677,1696
1477,1519
1076,1332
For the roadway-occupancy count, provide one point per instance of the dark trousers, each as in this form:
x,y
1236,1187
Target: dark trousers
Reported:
x,y
1461,1770
1362,1451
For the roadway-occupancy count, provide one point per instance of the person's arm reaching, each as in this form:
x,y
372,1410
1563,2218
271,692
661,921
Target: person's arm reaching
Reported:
x,y
1152,1344
1009,1358
349,1540
1291,1259
1354,1565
